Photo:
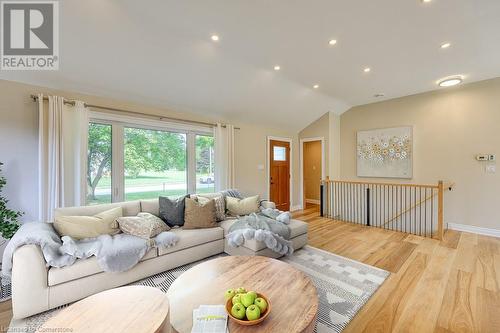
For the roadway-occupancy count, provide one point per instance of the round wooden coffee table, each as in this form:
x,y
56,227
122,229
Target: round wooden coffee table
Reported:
x,y
128,309
292,295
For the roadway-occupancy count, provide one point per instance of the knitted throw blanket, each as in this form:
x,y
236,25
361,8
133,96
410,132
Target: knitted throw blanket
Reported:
x,y
260,226
117,253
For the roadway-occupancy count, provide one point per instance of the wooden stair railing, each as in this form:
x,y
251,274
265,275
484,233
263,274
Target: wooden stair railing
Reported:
x,y
410,208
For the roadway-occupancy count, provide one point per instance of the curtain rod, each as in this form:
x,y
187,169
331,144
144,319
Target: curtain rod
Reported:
x,y
178,120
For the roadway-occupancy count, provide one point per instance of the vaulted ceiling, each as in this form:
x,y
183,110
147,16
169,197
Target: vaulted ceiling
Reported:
x,y
160,52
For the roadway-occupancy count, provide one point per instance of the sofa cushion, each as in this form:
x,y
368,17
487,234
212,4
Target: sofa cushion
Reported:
x,y
151,206
172,210
192,237
199,214
82,268
297,228
220,203
239,207
79,227
144,225
129,208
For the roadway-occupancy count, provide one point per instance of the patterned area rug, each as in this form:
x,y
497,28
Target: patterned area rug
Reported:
x,y
5,291
343,285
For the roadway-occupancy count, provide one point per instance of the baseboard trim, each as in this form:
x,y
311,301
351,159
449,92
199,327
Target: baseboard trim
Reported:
x,y
475,230
313,201
295,208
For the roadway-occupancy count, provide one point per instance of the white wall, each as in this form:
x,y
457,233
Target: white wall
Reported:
x,y
450,127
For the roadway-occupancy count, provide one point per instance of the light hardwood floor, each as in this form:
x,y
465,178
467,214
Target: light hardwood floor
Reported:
x,y
447,286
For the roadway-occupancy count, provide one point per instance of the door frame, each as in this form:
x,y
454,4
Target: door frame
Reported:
x,y
268,167
301,166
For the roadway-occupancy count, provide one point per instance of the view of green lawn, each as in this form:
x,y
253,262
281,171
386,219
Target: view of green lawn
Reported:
x,y
102,199
147,178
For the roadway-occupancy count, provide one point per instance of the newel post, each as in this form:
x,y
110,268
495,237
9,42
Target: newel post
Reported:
x,y
440,231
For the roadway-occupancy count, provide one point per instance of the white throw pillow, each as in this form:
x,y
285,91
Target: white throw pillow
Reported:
x,y
238,207
79,227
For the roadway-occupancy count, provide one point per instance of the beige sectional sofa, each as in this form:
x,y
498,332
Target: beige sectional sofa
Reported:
x,y
37,288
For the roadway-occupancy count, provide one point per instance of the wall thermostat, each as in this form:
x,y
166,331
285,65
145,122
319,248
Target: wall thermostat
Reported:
x,y
486,157
482,157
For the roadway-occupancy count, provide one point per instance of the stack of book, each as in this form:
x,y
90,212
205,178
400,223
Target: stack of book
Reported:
x,y
210,319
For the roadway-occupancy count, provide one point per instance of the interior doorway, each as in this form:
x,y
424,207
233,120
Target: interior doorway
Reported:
x,y
279,173
312,170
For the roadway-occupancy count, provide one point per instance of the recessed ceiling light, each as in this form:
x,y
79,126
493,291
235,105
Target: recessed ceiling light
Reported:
x,y
450,81
367,70
425,1
332,42
316,86
445,45
277,68
215,38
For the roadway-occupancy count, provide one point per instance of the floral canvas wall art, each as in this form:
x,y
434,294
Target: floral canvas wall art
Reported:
x,y
386,153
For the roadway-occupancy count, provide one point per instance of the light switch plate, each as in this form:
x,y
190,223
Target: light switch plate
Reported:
x,y
491,168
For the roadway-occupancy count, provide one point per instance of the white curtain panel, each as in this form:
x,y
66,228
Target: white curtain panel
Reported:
x,y
224,157
75,142
62,142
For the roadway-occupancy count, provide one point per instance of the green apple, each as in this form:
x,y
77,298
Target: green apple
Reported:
x,y
238,311
237,299
247,299
241,290
230,293
253,312
261,303
253,293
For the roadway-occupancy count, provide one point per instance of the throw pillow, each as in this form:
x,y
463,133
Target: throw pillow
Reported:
x,y
79,227
232,193
172,211
199,215
144,225
238,207
220,205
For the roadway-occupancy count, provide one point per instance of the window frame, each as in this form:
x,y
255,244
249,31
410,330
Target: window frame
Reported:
x,y
120,122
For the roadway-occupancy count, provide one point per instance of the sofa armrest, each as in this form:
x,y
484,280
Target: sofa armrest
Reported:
x,y
268,204
30,290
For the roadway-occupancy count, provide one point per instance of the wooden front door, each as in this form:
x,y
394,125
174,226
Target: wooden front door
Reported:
x,y
279,187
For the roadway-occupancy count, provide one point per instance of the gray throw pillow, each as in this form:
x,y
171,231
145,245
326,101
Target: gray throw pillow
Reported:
x,y
172,211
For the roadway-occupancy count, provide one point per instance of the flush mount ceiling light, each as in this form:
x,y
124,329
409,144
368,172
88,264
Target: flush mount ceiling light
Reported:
x,y
215,38
316,86
367,70
445,45
277,68
450,81
332,42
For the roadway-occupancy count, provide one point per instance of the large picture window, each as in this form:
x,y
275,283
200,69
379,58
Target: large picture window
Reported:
x,y
133,160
